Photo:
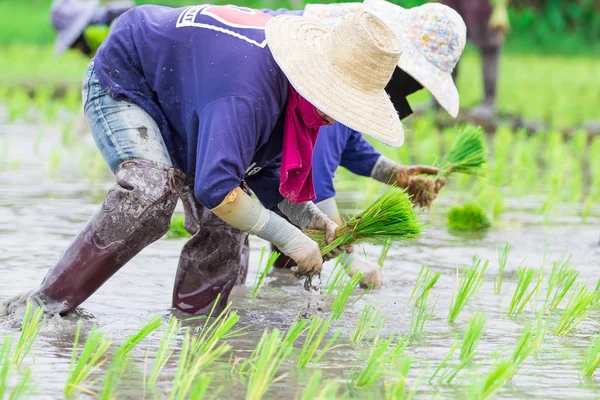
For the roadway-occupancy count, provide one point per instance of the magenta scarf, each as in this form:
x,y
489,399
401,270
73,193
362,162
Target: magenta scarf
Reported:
x,y
300,130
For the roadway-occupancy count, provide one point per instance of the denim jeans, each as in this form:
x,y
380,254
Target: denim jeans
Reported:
x,y
121,129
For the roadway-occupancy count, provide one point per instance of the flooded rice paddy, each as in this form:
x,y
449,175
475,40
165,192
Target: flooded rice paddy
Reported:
x,y
43,206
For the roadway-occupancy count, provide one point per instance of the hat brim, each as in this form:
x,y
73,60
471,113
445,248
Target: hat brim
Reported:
x,y
295,43
439,83
66,38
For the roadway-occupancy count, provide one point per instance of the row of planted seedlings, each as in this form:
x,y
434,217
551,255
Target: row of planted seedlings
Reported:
x,y
97,366
40,105
548,167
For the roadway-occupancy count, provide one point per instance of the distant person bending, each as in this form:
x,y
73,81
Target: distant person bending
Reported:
x,y
487,22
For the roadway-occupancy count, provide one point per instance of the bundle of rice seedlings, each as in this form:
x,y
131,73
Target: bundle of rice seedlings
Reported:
x,y
23,387
423,285
135,338
472,336
375,367
297,328
391,217
317,390
338,274
468,217
561,280
345,289
398,389
261,272
525,346
466,155
164,349
420,317
591,359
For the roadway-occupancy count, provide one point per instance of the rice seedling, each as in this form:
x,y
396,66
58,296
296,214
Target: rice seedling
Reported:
x,y
297,328
316,331
591,358
522,296
390,217
267,358
466,155
470,282
397,389
420,317
261,273
561,280
442,365
177,228
311,390
468,217
423,285
32,325
374,369
4,365
369,324
525,346
338,274
188,381
215,329
23,387
113,377
576,310
343,294
164,349
134,339
502,258
82,364
472,335
384,252
493,381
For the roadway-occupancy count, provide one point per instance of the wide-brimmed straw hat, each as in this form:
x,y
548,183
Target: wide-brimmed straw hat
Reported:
x,y
433,38
70,18
341,71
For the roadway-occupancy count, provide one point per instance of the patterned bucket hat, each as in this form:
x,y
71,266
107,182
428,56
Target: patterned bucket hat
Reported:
x,y
433,37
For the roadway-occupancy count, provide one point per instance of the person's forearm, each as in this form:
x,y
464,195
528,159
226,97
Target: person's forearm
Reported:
x,y
385,170
301,214
239,210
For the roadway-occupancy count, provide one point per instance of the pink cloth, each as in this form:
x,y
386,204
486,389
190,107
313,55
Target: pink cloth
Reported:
x,y
300,131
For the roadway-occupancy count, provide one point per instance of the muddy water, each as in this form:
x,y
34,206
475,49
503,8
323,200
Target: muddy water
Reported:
x,y
42,208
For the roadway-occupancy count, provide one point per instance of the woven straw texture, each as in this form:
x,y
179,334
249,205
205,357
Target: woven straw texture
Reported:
x,y
343,71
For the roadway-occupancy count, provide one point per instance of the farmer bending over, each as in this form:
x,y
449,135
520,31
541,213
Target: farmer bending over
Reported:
x,y
237,96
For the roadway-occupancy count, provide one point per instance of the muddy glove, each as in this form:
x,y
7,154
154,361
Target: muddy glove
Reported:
x,y
370,270
499,19
308,216
239,210
422,190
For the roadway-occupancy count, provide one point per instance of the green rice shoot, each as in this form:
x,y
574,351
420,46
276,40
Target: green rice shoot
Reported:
x,y
466,155
262,272
390,218
32,325
577,309
423,285
472,336
493,381
317,390
375,366
344,292
369,324
562,278
522,293
297,328
23,386
267,358
113,376
591,358
316,331
91,357
165,349
385,248
469,284
502,259
420,317
133,340
338,274
525,346
215,329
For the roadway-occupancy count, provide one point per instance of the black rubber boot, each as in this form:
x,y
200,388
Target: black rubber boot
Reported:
x,y
136,212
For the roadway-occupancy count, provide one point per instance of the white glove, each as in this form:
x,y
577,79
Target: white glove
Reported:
x,y
239,210
372,272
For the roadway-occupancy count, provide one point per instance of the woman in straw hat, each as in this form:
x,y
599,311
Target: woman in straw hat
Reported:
x,y
237,96
433,38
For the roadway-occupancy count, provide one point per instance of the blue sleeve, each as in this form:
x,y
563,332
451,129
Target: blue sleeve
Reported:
x,y
225,148
326,158
265,184
359,156
283,11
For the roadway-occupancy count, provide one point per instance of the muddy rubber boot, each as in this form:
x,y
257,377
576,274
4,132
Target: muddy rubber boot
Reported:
x,y
209,265
244,262
136,212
